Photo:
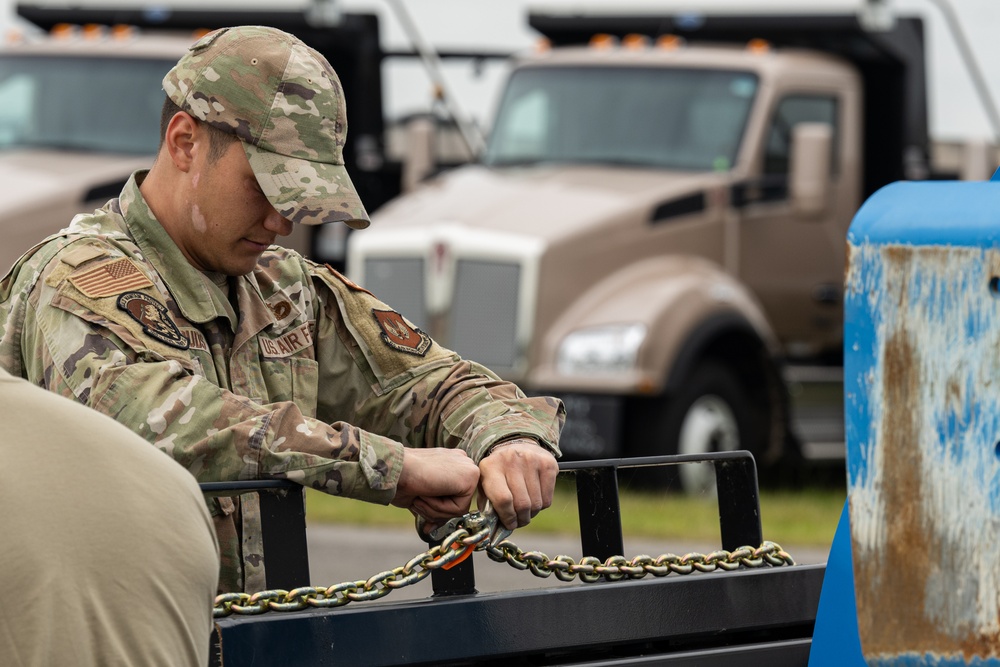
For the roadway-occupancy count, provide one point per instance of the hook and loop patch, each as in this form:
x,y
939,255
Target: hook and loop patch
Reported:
x,y
153,317
106,279
399,335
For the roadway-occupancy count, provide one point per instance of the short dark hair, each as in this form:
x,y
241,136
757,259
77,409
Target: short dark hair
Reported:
x,y
218,141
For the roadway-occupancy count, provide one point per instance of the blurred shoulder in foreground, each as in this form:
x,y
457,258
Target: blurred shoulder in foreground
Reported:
x,y
108,540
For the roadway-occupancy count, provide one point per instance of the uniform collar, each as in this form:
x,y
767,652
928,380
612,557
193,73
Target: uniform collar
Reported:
x,y
197,297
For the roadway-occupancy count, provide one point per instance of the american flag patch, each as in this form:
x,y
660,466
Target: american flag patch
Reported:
x,y
110,278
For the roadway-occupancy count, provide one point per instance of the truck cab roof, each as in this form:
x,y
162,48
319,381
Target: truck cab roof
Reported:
x,y
130,43
761,57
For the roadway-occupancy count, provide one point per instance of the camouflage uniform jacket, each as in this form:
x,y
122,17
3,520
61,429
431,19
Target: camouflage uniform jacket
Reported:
x,y
315,380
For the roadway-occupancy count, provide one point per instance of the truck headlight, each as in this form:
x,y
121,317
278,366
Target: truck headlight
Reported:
x,y
607,349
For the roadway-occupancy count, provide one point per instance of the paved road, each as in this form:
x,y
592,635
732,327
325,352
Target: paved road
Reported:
x,y
348,553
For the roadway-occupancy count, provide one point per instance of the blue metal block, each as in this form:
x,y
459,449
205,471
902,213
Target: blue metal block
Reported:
x,y
922,404
835,638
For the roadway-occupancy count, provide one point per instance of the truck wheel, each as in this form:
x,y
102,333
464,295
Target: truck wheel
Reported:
x,y
710,413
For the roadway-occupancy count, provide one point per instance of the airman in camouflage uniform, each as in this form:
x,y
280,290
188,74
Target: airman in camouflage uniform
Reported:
x,y
170,310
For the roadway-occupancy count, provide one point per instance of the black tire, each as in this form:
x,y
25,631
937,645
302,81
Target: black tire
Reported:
x,y
711,412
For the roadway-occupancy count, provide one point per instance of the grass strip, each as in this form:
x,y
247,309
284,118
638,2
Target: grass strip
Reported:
x,y
803,518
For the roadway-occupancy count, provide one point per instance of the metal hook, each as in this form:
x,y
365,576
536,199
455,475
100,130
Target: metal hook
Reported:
x,y
497,531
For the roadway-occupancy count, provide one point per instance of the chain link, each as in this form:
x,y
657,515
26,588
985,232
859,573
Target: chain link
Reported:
x,y
616,568
589,569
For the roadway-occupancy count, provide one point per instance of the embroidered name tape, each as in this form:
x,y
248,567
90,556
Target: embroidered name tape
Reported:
x,y
196,339
288,344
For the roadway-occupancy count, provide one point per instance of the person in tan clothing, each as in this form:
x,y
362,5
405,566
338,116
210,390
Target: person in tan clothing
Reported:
x,y
108,551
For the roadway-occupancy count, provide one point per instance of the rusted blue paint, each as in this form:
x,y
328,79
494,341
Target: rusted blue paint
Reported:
x,y
922,403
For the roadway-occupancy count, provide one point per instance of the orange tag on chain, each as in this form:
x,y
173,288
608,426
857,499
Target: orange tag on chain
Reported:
x,y
468,552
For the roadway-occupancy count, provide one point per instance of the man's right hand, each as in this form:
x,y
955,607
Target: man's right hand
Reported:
x,y
436,483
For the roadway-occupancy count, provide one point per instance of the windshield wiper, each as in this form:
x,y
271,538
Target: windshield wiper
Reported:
x,y
620,162
518,162
47,144
70,146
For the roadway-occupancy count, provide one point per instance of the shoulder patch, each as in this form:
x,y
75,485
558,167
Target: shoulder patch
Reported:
x,y
82,254
109,278
153,317
399,335
347,281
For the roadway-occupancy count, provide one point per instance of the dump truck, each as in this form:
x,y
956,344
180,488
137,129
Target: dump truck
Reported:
x,y
80,101
655,232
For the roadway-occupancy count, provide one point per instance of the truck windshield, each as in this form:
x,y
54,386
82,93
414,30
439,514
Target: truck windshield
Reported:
x,y
87,104
683,119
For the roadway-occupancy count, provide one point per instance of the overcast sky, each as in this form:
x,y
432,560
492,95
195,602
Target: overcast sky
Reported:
x,y
501,25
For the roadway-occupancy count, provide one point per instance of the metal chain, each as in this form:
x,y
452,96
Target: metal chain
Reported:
x,y
615,568
461,542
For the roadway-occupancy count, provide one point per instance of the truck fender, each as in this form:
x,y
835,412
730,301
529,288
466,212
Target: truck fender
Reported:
x,y
702,337
683,301
713,319
729,338
693,312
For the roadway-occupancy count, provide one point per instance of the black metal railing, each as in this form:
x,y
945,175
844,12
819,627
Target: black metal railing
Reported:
x,y
756,614
283,527
286,559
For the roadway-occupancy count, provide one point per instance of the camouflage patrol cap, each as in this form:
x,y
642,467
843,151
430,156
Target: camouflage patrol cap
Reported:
x,y
285,103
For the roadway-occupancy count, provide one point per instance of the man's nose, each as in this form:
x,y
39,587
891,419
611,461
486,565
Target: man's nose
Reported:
x,y
274,222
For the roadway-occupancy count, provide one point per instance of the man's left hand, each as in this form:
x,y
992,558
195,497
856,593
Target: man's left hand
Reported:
x,y
518,478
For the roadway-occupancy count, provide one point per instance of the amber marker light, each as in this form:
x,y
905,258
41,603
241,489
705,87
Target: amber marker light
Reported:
x,y
758,46
543,45
62,30
92,31
635,41
646,387
669,42
602,41
122,31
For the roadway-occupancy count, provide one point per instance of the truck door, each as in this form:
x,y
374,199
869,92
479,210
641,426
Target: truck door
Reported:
x,y
794,265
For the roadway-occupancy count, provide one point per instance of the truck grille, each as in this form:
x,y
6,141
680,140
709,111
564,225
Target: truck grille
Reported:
x,y
483,322
399,282
483,311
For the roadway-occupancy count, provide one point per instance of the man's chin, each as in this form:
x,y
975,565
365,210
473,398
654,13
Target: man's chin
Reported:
x,y
240,265
235,269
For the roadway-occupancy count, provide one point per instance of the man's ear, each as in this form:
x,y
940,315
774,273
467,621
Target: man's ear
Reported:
x,y
180,140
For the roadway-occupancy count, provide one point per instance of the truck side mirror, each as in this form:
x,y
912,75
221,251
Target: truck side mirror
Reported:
x,y
809,169
418,161
978,160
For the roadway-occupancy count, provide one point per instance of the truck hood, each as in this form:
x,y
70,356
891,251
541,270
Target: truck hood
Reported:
x,y
546,202
41,191
33,178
